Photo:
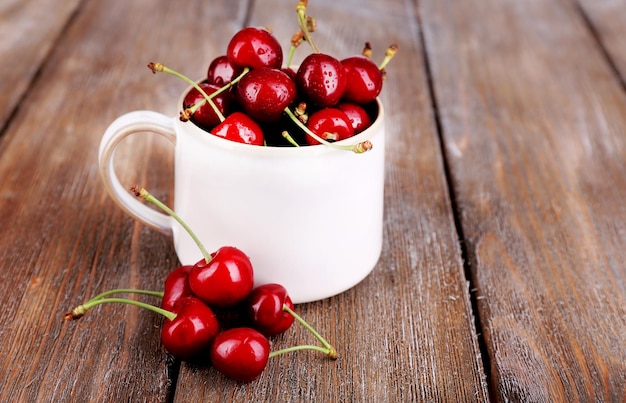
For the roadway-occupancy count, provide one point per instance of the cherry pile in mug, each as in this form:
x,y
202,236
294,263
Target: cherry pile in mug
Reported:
x,y
194,297
252,95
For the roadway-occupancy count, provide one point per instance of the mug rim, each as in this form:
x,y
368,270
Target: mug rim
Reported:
x,y
372,131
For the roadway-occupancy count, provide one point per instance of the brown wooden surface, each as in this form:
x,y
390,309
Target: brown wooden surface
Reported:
x,y
505,223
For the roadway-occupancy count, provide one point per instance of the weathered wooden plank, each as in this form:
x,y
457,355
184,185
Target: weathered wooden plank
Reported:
x,y
405,333
534,122
608,20
62,239
28,30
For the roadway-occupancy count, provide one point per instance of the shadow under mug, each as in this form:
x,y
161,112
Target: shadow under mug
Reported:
x,y
309,218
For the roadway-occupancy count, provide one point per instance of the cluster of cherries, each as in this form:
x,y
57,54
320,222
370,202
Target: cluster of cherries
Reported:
x,y
250,96
192,299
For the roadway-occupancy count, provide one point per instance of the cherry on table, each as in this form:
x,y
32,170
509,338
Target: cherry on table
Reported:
x,y
190,333
264,93
176,286
225,279
255,47
264,309
240,353
321,79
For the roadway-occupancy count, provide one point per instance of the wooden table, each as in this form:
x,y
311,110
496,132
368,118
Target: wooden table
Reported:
x,y
503,274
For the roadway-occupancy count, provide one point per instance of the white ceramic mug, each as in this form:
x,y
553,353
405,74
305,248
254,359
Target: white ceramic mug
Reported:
x,y
310,218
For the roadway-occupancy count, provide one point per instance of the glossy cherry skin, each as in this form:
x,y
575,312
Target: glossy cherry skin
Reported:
x,y
330,124
241,128
240,353
358,116
225,280
190,334
364,80
176,287
264,309
205,116
264,93
254,47
221,71
321,80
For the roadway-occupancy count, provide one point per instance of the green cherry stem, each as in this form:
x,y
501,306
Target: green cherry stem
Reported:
x,y
389,54
328,348
79,311
358,148
302,21
127,291
144,194
227,86
305,347
160,67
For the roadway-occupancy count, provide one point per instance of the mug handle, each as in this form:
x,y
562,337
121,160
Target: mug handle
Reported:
x,y
118,130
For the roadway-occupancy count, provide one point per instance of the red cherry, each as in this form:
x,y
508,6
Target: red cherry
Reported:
x,y
221,71
364,79
176,287
264,93
254,48
358,116
321,79
225,280
240,353
205,116
241,128
264,308
330,124
191,332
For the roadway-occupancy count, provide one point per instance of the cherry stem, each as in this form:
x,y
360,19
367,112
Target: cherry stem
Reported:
x,y
127,291
302,21
358,148
225,87
160,67
389,54
290,139
328,349
324,350
79,311
143,193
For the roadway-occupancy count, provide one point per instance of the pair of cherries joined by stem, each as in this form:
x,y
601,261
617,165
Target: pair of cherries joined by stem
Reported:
x,y
220,280
249,94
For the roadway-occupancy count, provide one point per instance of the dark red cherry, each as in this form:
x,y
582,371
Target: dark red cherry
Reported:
x,y
176,287
241,128
255,47
221,71
321,79
264,93
240,353
358,116
192,331
205,116
330,124
364,79
225,280
264,308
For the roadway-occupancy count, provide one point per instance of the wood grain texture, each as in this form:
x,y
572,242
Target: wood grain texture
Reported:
x,y
406,333
28,30
608,21
534,123
62,240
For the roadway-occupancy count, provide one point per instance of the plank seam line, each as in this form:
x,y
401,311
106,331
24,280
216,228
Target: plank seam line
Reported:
x,y
456,213
38,72
595,34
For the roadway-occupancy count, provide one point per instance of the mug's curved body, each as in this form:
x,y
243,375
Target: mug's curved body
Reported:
x,y
310,218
